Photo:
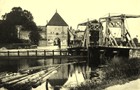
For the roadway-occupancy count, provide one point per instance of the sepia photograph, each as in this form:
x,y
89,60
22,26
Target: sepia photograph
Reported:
x,y
69,44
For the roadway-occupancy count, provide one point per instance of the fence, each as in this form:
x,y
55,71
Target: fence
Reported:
x,y
35,53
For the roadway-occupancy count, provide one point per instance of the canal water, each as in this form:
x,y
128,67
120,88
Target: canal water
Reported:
x,y
68,75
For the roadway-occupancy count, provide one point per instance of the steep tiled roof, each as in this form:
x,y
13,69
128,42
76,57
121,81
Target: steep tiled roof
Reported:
x,y
57,20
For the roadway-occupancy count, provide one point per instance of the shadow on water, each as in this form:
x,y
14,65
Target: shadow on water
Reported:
x,y
68,75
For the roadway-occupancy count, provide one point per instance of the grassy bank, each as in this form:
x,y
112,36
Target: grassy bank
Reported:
x,y
117,71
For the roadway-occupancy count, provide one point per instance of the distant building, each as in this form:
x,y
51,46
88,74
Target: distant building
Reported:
x,y
42,32
79,35
22,34
71,36
57,31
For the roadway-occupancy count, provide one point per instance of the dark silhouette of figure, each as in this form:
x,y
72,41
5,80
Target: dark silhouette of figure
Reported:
x,y
59,43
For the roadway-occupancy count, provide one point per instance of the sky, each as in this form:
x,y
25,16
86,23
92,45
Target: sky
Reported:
x,y
76,11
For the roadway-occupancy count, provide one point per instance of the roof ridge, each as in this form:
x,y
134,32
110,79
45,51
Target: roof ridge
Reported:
x,y
57,20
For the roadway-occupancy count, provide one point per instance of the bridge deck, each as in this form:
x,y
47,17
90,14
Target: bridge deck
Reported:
x,y
37,53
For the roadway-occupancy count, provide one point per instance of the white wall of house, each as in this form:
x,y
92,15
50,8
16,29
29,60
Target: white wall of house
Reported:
x,y
42,43
24,35
42,34
60,32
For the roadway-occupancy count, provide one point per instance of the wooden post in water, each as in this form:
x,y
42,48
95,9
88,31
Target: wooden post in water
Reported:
x,y
88,56
93,56
60,53
71,52
67,52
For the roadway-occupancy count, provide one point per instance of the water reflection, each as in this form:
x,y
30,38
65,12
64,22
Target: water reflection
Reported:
x,y
75,77
68,75
57,80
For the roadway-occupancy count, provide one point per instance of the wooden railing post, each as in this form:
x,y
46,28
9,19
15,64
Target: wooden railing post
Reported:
x,y
53,56
53,53
18,53
8,53
44,53
36,53
27,53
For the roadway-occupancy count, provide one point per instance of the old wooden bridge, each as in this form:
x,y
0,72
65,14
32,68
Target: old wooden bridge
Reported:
x,y
35,53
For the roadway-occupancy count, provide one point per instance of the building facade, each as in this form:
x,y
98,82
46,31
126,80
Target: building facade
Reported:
x,y
43,39
57,31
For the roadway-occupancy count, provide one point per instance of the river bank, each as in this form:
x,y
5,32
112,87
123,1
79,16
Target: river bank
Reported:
x,y
133,85
117,72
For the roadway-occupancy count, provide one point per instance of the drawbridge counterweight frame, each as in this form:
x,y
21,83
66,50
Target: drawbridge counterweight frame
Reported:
x,y
94,35
118,21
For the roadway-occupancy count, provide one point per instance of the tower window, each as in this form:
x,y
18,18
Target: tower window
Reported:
x,y
57,33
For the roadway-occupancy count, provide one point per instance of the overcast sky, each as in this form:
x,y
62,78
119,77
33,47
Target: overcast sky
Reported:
x,y
76,11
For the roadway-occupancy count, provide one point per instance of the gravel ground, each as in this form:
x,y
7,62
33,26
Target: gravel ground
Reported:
x,y
132,85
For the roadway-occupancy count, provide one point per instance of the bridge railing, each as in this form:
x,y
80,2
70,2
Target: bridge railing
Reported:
x,y
36,53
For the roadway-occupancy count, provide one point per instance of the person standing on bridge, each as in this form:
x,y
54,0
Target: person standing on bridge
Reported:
x,y
59,43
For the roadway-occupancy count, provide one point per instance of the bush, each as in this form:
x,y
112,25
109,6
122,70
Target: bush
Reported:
x,y
118,71
122,68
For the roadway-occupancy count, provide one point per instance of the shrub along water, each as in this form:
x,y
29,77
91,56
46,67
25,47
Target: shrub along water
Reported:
x,y
118,71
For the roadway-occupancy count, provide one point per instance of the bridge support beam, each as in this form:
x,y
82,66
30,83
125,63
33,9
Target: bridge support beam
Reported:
x,y
100,55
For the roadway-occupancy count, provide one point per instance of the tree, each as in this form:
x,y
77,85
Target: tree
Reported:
x,y
34,36
8,33
15,17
